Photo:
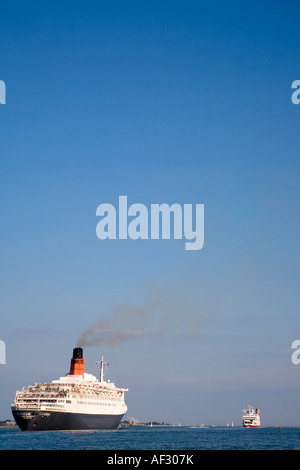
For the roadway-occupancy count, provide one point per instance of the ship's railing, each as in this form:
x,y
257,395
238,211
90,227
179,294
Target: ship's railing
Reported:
x,y
25,406
38,406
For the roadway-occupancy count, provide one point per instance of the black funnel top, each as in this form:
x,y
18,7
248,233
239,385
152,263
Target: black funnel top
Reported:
x,y
77,353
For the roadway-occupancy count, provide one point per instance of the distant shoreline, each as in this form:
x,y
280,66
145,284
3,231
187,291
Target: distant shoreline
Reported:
x,y
153,425
7,423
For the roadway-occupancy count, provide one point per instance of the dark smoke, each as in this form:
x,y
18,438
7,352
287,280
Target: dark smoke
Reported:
x,y
165,310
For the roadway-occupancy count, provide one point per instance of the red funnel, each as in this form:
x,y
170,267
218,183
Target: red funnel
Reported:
x,y
77,362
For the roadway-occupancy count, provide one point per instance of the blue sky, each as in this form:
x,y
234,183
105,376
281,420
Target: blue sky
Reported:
x,y
186,102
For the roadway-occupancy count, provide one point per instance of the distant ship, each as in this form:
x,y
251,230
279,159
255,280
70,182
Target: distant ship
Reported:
x,y
76,401
251,418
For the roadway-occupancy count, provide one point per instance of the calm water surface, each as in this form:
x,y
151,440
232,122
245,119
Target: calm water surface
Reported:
x,y
156,438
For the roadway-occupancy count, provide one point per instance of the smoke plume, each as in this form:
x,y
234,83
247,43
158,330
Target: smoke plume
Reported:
x,y
164,310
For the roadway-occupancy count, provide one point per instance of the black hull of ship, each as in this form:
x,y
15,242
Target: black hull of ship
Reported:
x,y
62,421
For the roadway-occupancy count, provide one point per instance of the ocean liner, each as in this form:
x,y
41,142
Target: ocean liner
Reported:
x,y
73,402
251,418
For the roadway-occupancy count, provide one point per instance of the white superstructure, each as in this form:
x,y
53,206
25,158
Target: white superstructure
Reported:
x,y
251,418
73,394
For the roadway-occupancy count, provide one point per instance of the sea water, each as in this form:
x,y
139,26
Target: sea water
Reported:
x,y
154,438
